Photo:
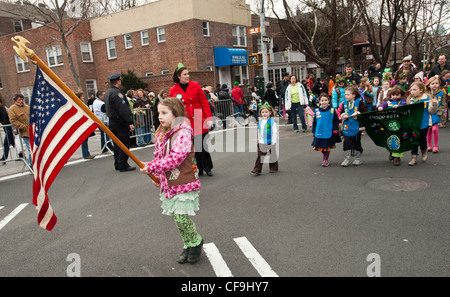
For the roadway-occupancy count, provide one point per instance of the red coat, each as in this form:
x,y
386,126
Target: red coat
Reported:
x,y
195,102
237,95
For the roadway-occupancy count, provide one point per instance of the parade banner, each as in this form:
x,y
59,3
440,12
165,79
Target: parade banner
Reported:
x,y
396,129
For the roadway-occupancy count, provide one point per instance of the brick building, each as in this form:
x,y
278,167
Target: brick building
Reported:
x,y
150,40
18,76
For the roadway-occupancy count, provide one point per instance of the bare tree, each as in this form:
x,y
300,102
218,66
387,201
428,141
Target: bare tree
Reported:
x,y
318,21
57,17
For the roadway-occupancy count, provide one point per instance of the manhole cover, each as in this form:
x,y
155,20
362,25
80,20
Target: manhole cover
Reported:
x,y
397,184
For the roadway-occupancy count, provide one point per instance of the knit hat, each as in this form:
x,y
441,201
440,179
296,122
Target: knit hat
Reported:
x,y
407,58
419,75
224,86
236,83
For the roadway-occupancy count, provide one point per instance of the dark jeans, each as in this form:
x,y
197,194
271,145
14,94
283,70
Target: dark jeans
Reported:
x,y
422,141
9,140
296,108
353,143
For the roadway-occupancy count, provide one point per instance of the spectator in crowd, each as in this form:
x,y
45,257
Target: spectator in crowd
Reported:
x,y
9,137
19,116
441,66
99,110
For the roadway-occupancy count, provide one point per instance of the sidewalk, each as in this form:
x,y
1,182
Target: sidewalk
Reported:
x,y
17,168
12,169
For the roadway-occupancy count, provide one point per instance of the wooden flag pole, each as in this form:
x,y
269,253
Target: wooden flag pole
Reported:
x,y
23,51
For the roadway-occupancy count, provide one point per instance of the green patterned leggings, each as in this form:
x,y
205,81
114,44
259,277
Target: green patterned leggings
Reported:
x,y
187,230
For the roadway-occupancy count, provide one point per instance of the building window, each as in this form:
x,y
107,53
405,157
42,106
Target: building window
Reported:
x,y
1,86
205,28
165,71
150,73
241,74
86,52
239,34
18,26
27,93
209,68
111,48
91,87
54,56
144,37
127,40
161,34
21,65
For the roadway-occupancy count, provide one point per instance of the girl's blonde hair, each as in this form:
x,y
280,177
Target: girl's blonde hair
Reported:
x,y
363,83
177,109
430,80
420,85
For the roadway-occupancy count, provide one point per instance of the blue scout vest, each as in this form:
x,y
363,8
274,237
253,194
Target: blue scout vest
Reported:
x,y
267,131
435,118
426,114
324,123
350,127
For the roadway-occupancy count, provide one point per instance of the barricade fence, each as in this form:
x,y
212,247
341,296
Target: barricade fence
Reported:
x,y
13,147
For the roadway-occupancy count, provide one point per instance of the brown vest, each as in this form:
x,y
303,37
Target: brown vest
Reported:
x,y
187,172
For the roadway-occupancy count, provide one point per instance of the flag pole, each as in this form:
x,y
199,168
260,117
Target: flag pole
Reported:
x,y
23,52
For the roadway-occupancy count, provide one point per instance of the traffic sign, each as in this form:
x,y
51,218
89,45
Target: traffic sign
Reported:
x,y
265,39
254,30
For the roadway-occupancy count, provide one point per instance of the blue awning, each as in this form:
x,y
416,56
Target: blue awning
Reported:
x,y
226,56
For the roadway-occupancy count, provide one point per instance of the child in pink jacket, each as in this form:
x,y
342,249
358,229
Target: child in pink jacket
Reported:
x,y
176,168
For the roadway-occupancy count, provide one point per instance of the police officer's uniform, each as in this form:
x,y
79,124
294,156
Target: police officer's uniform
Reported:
x,y
118,111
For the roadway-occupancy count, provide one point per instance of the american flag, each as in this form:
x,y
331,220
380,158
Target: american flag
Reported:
x,y
58,126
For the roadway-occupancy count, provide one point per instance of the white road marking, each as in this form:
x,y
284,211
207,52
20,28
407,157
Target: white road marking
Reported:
x,y
9,217
217,262
255,258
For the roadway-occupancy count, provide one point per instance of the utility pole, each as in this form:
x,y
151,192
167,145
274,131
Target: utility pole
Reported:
x,y
262,21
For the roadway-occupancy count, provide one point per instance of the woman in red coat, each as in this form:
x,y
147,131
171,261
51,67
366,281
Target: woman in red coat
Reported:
x,y
198,113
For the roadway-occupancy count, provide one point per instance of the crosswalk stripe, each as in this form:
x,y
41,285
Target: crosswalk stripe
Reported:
x,y
9,217
217,262
255,258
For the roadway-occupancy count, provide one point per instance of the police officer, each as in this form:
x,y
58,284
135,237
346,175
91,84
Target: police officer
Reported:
x,y
120,122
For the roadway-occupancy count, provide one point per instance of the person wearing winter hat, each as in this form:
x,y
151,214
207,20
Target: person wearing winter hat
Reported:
x,y
408,67
419,77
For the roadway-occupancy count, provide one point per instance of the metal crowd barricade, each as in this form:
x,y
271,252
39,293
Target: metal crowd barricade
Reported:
x,y
144,127
223,109
12,147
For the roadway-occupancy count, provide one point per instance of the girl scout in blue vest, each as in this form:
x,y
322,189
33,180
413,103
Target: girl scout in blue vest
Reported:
x,y
435,91
396,99
417,91
349,109
325,128
267,139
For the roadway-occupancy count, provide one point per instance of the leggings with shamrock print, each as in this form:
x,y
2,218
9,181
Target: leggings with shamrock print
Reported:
x,y
187,230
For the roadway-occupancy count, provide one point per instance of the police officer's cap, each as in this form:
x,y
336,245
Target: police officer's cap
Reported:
x,y
114,76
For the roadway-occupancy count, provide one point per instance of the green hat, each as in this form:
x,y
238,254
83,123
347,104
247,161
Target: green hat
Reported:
x,y
236,83
180,65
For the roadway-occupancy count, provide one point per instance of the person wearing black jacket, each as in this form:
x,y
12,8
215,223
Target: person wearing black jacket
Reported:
x,y
319,87
270,95
441,66
9,137
120,122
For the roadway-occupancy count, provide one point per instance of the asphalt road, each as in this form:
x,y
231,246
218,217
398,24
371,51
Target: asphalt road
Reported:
x,y
305,220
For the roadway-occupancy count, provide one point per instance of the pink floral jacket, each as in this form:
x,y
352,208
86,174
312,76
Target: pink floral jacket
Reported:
x,y
181,147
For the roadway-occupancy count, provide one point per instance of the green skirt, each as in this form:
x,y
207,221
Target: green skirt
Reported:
x,y
184,203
